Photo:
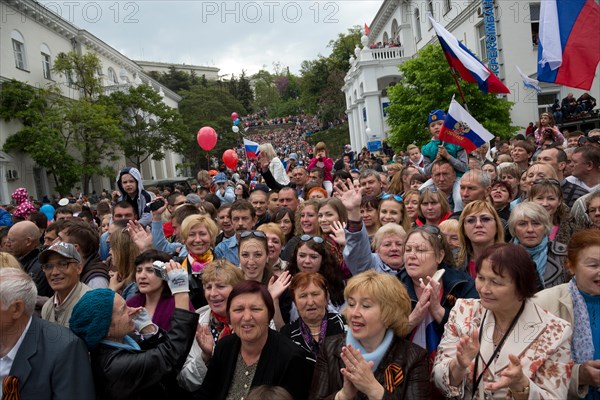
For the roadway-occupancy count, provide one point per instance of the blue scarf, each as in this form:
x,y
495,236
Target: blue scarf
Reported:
x,y
377,355
128,344
582,346
539,255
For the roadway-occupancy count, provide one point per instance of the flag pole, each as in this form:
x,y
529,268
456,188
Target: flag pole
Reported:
x,y
460,92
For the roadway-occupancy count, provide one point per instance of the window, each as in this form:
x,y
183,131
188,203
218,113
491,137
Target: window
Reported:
x,y
447,6
481,38
417,25
534,18
386,38
545,101
395,32
112,76
18,44
430,11
46,61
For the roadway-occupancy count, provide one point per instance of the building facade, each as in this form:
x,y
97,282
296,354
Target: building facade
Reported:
x,y
31,36
502,34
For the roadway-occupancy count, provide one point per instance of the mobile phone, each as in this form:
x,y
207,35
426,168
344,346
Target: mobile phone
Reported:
x,y
156,204
437,276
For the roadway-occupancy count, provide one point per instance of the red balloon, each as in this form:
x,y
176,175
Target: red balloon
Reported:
x,y
207,138
230,158
234,116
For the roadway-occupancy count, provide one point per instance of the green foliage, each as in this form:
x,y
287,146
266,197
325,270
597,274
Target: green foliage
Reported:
x,y
343,47
335,138
208,106
81,71
150,127
244,92
427,84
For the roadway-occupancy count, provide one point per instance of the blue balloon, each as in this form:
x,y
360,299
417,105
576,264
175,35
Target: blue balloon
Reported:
x,y
237,122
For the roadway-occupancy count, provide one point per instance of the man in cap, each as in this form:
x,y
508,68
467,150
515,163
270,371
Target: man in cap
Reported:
x,y
38,360
62,265
224,192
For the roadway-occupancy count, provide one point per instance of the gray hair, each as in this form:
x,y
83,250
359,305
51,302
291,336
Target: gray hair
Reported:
x,y
532,211
369,172
15,284
483,179
388,230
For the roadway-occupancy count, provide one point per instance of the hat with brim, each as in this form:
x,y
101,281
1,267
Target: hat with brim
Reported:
x,y
66,250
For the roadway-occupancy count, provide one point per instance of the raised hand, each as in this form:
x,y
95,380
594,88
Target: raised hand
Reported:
x,y
467,349
205,341
349,195
278,285
420,310
339,234
512,377
140,236
359,372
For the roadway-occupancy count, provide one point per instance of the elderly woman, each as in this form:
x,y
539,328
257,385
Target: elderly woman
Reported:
x,y
479,355
425,252
388,242
198,233
578,302
310,295
218,279
271,165
275,240
548,194
530,226
433,208
254,355
592,206
373,360
121,368
479,228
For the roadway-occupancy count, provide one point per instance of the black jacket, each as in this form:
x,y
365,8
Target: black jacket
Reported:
x,y
410,358
282,363
94,268
149,373
32,266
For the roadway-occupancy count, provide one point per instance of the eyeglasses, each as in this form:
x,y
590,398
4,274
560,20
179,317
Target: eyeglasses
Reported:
x,y
417,250
394,196
550,181
258,234
593,210
61,265
316,239
484,219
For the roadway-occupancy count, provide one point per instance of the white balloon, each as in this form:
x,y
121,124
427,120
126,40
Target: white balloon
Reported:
x,y
235,128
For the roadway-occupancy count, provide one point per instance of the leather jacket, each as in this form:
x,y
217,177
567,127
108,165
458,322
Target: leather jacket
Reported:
x,y
403,360
149,373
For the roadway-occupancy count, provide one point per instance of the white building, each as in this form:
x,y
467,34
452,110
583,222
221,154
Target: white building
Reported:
x,y
31,36
210,73
405,21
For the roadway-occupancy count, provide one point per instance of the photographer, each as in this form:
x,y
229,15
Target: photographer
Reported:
x,y
146,368
154,293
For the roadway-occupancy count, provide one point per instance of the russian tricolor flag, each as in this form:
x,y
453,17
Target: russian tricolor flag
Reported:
x,y
568,47
251,148
468,66
462,129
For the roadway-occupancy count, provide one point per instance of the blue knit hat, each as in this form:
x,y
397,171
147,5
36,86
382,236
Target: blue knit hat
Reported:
x,y
436,115
92,316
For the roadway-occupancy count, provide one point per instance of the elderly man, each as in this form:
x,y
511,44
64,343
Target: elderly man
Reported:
x,y
443,176
474,185
38,359
62,265
24,243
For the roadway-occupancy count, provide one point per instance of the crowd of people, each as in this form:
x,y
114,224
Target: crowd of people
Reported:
x,y
326,274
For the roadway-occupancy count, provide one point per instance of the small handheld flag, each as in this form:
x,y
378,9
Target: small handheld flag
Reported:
x,y
251,148
462,129
528,82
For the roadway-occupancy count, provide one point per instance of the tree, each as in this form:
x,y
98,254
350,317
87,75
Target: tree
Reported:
x,y
150,126
39,136
343,47
427,84
88,126
244,92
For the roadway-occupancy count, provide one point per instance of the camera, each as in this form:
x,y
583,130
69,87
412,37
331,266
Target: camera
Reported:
x,y
160,270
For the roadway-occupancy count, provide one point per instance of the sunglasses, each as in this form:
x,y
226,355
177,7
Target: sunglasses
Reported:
x,y
392,196
316,239
592,139
258,234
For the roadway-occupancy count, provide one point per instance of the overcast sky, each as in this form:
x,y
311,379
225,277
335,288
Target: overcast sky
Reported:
x,y
230,35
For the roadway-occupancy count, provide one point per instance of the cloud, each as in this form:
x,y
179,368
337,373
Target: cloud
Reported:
x,y
230,35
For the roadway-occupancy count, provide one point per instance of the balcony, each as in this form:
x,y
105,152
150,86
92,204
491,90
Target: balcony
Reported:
x,y
388,53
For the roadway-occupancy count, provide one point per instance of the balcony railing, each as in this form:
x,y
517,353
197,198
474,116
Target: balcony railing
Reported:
x,y
388,53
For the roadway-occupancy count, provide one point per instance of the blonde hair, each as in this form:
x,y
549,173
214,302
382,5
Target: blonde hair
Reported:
x,y
322,146
7,260
268,150
273,228
388,292
192,221
222,270
387,230
124,252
